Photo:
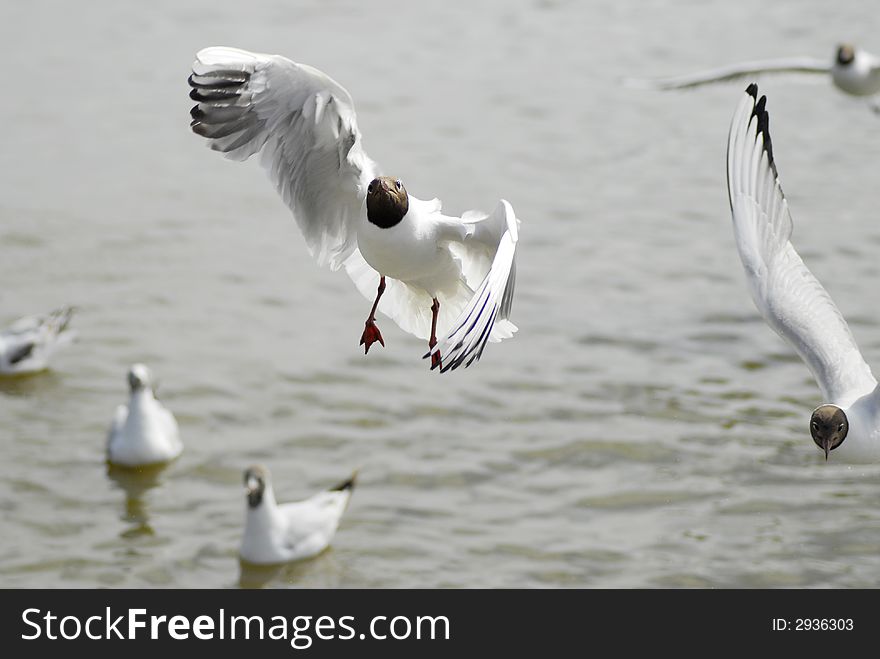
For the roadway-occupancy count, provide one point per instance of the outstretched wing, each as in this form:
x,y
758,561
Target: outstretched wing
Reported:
x,y
302,123
486,316
736,72
789,297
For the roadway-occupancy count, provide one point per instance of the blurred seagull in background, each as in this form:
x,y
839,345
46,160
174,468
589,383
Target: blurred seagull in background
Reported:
x,y
427,271
29,343
790,298
853,71
276,533
143,432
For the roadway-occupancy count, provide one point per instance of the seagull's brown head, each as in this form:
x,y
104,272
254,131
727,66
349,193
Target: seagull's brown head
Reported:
x,y
845,54
256,477
387,201
829,427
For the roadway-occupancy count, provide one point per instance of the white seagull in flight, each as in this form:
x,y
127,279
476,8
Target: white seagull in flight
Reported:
x,y
790,298
27,345
402,250
853,71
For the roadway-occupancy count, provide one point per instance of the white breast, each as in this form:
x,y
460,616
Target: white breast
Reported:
x,y
144,433
862,443
411,251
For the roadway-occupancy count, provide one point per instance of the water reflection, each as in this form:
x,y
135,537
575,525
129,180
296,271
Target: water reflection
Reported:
x,y
136,482
322,571
27,384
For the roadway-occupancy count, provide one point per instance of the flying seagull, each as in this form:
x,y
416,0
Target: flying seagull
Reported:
x,y
143,432
287,532
400,251
790,298
27,345
854,71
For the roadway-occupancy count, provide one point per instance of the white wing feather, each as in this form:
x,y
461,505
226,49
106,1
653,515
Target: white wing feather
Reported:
x,y
789,297
312,523
736,72
303,124
116,426
486,316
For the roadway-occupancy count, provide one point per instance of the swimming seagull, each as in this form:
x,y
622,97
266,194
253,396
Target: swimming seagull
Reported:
x,y
143,432
400,251
790,298
853,71
27,345
288,532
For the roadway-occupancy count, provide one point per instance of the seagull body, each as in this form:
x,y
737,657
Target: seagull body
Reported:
x,y
287,532
856,71
143,432
853,71
791,299
29,343
427,271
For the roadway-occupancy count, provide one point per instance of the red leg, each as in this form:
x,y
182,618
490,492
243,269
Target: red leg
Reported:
x,y
435,358
371,332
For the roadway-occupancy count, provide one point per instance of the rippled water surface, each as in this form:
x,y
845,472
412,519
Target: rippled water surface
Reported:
x,y
644,428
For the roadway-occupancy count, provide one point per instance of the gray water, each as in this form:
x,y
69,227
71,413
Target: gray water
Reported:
x,y
644,428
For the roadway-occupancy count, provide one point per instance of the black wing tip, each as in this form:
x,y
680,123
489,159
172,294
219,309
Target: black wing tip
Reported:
x,y
763,117
199,128
346,485
22,353
219,78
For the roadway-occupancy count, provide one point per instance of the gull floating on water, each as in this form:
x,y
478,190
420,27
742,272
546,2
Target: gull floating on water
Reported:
x,y
790,298
276,533
853,71
399,249
143,432
29,343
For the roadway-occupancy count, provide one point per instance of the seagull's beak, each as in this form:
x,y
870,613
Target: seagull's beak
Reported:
x,y
254,489
825,447
251,486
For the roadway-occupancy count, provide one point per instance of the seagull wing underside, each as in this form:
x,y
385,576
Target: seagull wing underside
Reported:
x,y
486,316
303,125
789,297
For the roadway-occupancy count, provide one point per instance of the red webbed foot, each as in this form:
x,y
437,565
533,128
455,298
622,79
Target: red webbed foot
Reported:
x,y
371,335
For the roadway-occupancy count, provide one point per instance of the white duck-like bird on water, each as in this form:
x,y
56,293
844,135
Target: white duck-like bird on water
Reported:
x,y
27,345
790,298
853,71
279,533
429,272
143,432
